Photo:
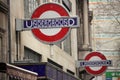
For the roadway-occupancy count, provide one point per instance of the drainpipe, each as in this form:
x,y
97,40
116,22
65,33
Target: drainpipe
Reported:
x,y
85,17
9,34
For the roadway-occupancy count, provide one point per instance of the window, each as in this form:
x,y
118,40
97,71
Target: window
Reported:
x,y
4,1
55,64
29,7
67,45
70,72
31,55
56,1
44,1
67,4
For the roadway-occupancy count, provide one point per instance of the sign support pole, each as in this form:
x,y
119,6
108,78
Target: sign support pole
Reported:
x,y
51,51
18,40
95,77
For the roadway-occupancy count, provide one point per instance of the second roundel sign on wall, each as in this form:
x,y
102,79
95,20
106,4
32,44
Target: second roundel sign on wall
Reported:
x,y
53,35
95,70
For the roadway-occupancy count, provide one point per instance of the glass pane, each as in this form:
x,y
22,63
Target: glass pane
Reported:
x,y
31,55
45,1
67,45
29,7
4,1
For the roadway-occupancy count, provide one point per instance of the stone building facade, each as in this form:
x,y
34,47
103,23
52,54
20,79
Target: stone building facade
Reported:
x,y
22,49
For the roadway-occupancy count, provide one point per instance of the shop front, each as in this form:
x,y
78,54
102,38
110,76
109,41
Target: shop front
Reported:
x,y
16,73
113,74
47,71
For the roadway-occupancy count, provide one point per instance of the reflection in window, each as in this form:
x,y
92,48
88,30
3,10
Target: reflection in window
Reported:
x,y
55,1
31,55
44,1
67,44
29,7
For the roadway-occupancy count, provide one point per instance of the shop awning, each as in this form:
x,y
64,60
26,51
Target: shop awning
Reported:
x,y
47,71
17,72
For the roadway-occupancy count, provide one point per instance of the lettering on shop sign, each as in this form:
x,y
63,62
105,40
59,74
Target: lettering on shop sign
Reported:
x,y
96,63
47,23
51,23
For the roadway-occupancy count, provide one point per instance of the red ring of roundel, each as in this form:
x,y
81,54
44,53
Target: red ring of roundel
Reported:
x,y
50,7
100,71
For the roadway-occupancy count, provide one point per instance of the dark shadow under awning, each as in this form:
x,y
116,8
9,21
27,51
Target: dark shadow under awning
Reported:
x,y
17,72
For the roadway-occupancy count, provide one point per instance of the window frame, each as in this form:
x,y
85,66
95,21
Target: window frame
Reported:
x,y
27,56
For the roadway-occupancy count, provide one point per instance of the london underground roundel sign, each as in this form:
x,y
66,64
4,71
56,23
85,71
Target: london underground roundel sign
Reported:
x,y
95,70
53,35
